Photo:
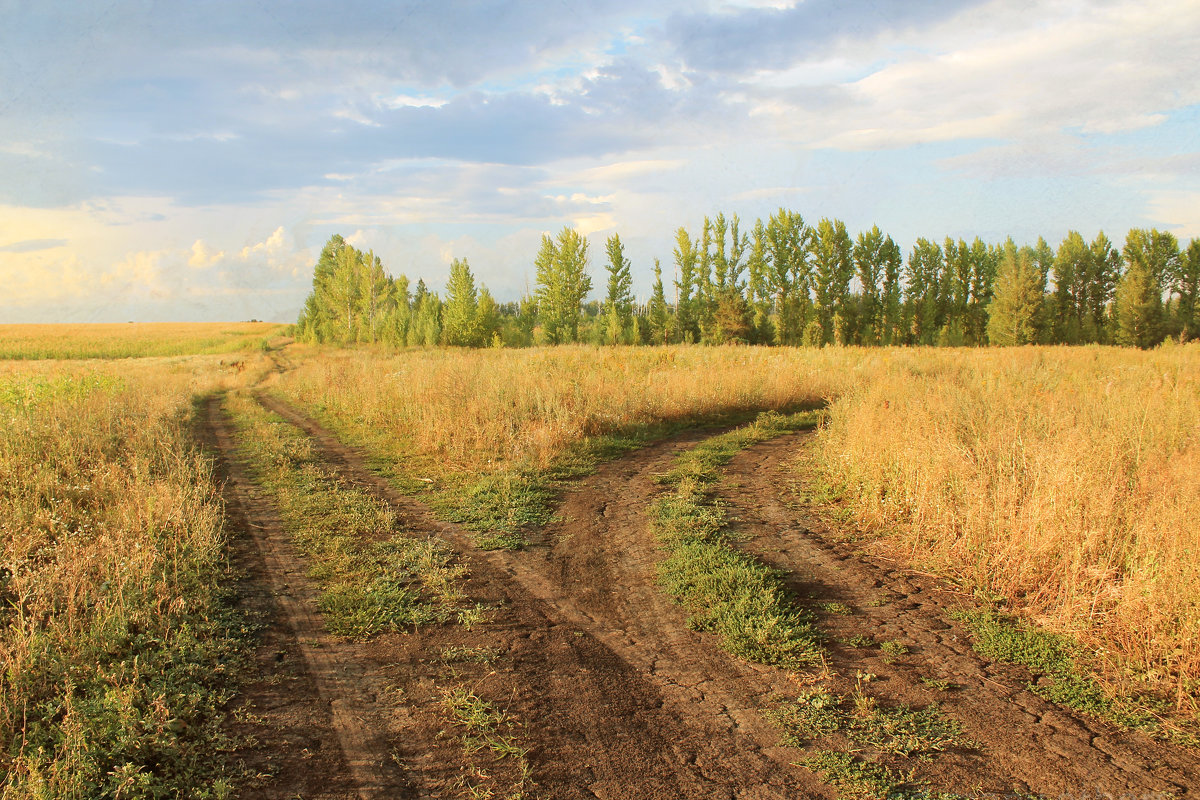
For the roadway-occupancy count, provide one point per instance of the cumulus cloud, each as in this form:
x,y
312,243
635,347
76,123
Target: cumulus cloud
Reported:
x,y
203,256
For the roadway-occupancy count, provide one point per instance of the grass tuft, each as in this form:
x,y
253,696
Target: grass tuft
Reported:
x,y
724,590
373,577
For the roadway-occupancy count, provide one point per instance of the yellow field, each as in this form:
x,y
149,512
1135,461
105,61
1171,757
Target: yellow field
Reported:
x,y
132,340
482,410
111,550
1066,481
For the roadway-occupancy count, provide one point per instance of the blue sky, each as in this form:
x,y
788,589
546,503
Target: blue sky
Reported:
x,y
186,161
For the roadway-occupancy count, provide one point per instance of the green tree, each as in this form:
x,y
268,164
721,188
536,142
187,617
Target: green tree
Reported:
x,y
687,260
833,269
488,319
892,295
1014,313
1071,269
562,283
759,287
984,261
460,313
869,263
789,273
659,318
1151,258
1187,286
618,304
923,290
1099,288
373,296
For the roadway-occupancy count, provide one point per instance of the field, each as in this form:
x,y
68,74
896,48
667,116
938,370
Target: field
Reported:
x,y
595,572
132,340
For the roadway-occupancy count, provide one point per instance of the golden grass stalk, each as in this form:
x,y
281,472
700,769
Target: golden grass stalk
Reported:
x,y
1065,480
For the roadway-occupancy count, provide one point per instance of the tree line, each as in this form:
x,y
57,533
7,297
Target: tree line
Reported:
x,y
783,282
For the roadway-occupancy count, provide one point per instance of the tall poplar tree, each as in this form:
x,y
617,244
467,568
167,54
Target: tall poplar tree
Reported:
x,y
868,262
660,322
687,258
1151,257
618,304
1015,311
562,283
1187,286
460,312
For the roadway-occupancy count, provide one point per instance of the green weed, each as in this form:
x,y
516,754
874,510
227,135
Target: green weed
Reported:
x,y
1056,665
892,651
724,590
373,577
858,777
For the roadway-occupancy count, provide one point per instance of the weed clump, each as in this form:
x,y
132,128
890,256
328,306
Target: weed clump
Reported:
x,y
724,590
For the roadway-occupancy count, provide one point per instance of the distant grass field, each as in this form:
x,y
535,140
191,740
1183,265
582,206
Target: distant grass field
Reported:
x,y
133,340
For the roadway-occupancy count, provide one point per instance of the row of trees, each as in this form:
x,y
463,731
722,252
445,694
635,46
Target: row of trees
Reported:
x,y
784,282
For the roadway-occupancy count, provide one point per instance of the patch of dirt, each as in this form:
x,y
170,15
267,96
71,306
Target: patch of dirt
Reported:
x,y
1027,743
617,698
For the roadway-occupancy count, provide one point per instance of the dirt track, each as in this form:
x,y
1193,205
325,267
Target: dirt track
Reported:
x,y
614,695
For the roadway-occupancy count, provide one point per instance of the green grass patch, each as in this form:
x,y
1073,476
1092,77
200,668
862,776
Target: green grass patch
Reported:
x,y
876,738
1058,668
373,577
724,590
496,760
856,777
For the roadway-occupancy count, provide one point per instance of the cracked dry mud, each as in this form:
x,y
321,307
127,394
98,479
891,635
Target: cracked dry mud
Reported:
x,y
612,693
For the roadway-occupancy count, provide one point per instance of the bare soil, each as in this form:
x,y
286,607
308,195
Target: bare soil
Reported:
x,y
612,693
1026,742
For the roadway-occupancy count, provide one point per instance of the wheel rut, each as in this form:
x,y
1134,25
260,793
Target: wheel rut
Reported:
x,y
1026,741
320,730
617,698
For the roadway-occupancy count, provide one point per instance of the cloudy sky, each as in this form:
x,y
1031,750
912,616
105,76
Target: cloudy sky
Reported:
x,y
186,161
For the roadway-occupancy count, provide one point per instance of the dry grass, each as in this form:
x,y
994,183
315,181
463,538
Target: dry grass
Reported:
x,y
111,543
132,340
477,410
1064,480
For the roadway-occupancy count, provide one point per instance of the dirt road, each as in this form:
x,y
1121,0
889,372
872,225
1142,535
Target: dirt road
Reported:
x,y
612,693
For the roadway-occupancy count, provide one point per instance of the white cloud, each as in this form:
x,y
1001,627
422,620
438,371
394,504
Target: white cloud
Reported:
x,y
1179,211
203,256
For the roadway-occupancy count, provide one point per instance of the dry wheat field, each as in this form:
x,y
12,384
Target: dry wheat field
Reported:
x,y
234,565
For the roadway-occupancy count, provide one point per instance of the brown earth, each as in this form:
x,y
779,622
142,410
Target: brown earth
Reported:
x,y
611,692
1025,741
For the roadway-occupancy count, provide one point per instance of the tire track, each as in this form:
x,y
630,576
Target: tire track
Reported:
x,y
1026,739
616,705
348,714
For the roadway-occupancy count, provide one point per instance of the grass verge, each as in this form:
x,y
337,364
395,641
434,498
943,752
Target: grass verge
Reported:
x,y
373,578
1057,665
119,650
724,590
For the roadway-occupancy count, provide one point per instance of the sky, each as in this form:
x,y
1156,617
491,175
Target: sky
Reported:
x,y
186,161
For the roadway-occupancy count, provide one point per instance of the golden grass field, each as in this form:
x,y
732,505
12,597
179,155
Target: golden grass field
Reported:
x,y
132,340
111,554
1065,480
1060,480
